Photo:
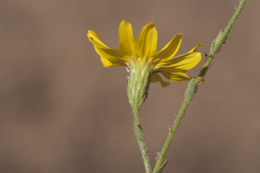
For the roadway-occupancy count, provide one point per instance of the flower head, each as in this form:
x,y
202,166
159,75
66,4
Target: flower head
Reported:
x,y
143,61
141,52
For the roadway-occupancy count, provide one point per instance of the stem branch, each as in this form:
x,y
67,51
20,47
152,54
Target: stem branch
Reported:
x,y
194,83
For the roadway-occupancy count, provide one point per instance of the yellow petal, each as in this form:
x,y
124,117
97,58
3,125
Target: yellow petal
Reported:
x,y
176,75
184,62
126,38
95,40
169,50
109,57
147,41
157,78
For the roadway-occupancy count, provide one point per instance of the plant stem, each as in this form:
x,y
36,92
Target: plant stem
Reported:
x,y
193,85
140,139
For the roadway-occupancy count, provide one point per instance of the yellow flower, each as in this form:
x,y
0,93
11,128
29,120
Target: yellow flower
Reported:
x,y
142,52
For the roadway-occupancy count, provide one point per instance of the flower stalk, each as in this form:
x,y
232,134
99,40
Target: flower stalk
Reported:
x,y
140,139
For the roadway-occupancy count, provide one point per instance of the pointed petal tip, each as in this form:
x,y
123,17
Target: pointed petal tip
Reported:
x,y
91,34
124,21
151,24
90,31
196,47
178,35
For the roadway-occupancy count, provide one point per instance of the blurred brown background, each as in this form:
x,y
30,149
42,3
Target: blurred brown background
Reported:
x,y
62,112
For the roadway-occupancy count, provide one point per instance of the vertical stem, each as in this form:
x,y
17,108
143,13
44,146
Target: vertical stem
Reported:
x,y
194,83
140,139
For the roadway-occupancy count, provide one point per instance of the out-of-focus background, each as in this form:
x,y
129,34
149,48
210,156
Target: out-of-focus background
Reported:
x,y
61,111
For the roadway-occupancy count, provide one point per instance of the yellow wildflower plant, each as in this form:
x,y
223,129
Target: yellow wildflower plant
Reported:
x,y
143,60
145,64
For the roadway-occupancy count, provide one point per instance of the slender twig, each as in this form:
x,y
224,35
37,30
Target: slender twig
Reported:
x,y
140,139
194,83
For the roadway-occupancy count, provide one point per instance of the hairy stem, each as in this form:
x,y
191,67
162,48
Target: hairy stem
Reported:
x,y
140,139
194,84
